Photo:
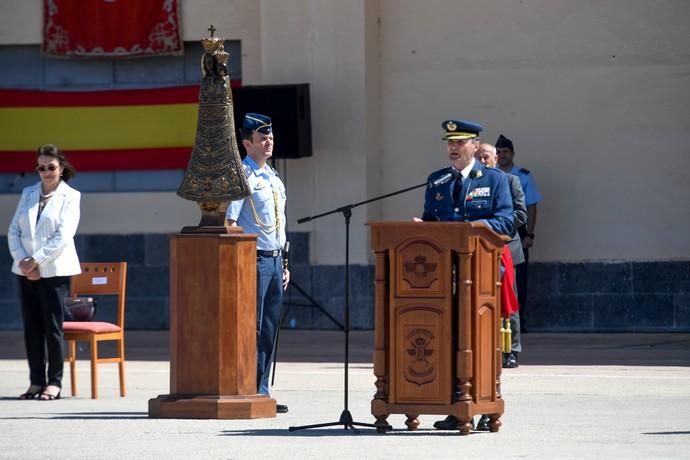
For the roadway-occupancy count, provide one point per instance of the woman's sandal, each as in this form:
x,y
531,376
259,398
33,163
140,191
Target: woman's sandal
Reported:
x,y
47,395
31,392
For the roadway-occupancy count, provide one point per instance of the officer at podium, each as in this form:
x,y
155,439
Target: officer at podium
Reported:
x,y
467,191
263,213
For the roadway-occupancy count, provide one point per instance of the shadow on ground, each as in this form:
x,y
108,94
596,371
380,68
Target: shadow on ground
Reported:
x,y
83,416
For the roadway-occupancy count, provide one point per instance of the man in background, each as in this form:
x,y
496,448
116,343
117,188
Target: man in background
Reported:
x,y
487,155
506,154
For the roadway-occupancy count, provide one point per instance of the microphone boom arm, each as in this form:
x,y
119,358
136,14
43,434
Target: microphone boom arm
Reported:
x,y
349,207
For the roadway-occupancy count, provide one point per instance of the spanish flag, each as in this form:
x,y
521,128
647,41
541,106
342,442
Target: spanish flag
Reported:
x,y
137,129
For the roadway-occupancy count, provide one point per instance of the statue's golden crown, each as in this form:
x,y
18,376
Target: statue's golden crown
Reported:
x,y
212,44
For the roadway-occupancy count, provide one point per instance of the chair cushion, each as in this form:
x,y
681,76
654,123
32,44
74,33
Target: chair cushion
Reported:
x,y
96,327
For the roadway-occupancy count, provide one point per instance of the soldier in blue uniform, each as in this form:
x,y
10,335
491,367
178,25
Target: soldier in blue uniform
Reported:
x,y
467,191
263,213
506,154
487,155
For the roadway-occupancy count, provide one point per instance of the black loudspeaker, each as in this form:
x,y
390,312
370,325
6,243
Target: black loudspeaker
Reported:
x,y
289,109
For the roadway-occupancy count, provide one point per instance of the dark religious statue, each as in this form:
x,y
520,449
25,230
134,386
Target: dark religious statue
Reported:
x,y
214,176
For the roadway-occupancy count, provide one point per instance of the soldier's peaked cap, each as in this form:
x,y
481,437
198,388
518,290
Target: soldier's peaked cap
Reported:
x,y
460,129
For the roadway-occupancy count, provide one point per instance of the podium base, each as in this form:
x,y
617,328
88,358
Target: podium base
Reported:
x,y
212,406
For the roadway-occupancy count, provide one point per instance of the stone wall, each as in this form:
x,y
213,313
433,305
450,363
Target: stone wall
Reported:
x,y
616,296
563,297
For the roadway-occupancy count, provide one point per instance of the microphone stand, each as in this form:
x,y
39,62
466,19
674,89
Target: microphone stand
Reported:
x,y
346,419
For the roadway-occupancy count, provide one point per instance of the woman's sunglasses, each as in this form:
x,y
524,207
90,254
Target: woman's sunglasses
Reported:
x,y
41,168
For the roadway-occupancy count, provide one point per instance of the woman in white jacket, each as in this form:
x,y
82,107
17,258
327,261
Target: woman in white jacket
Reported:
x,y
41,241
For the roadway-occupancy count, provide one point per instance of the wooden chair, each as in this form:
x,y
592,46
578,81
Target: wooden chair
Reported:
x,y
98,279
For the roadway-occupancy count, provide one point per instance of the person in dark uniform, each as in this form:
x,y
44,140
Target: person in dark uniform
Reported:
x,y
506,154
487,155
467,191
473,192
263,213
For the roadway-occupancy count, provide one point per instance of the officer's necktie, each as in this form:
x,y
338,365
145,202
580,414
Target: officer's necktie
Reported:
x,y
457,188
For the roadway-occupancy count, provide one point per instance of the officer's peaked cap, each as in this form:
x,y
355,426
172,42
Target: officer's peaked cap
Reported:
x,y
460,129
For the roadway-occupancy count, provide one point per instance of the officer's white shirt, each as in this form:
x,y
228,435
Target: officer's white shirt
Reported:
x,y
264,184
464,173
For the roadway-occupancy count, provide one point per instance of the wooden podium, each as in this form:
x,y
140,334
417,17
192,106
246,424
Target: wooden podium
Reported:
x,y
212,330
437,322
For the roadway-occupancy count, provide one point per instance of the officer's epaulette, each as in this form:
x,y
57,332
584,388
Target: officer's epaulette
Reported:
x,y
524,170
247,170
440,172
274,170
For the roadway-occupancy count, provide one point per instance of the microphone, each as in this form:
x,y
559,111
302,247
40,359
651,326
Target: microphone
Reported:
x,y
443,179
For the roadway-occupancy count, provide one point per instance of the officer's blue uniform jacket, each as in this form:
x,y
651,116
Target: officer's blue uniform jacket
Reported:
x,y
485,196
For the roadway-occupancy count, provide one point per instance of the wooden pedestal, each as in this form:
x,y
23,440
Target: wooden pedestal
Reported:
x,y
437,321
212,330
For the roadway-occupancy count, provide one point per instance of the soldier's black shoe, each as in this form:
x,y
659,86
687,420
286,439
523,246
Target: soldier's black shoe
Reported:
x,y
449,423
281,408
510,360
483,424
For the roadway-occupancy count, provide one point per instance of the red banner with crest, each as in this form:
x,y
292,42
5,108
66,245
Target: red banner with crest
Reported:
x,y
111,28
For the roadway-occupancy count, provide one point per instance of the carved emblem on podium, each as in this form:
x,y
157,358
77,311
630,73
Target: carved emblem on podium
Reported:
x,y
420,368
419,272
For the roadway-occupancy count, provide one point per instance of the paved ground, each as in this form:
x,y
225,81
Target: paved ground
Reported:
x,y
574,396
